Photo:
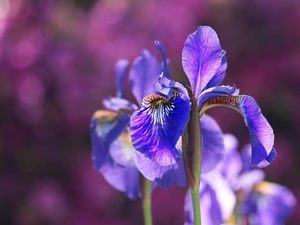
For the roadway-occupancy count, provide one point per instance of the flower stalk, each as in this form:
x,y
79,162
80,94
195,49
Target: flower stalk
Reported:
x,y
147,188
192,151
196,206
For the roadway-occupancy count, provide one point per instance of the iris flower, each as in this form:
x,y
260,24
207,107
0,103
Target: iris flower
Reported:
x,y
269,204
112,151
160,122
259,202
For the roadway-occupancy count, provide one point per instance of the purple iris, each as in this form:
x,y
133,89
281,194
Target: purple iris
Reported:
x,y
157,126
263,203
112,150
259,202
269,204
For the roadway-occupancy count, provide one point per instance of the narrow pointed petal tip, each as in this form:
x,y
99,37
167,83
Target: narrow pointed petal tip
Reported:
x,y
106,126
143,75
166,71
203,59
261,133
155,129
121,67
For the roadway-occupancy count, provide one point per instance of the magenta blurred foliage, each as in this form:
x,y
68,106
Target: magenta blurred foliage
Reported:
x,y
57,64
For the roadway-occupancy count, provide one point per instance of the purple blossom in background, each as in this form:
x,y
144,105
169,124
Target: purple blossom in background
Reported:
x,y
111,145
263,203
256,202
269,204
260,202
113,153
156,127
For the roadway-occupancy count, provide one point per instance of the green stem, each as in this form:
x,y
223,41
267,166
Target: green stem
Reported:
x,y
192,152
196,206
147,188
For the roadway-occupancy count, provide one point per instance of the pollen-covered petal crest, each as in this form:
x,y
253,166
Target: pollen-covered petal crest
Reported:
x,y
217,92
157,126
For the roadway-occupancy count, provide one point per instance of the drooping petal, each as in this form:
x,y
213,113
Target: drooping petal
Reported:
x,y
261,133
202,58
122,172
121,67
213,143
106,126
155,130
217,200
166,71
143,75
231,165
117,104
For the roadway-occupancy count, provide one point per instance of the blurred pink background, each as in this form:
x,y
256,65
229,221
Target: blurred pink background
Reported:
x,y
57,64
